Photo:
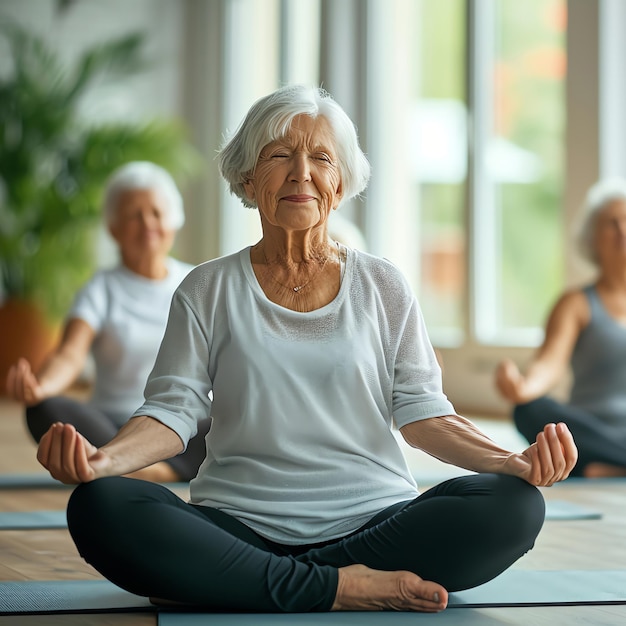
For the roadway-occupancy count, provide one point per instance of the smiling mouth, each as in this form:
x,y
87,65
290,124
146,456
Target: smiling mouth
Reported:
x,y
299,198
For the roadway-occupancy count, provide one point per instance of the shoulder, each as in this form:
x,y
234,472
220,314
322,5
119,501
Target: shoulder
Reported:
x,y
209,274
379,268
102,279
572,299
379,285
382,275
93,298
573,305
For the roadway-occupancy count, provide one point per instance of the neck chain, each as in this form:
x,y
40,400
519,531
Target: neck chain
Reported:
x,y
296,289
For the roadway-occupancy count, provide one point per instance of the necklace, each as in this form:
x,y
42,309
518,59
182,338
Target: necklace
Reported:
x,y
296,288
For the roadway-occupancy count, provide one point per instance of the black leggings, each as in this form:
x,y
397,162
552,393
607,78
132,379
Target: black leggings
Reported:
x,y
99,429
596,440
148,541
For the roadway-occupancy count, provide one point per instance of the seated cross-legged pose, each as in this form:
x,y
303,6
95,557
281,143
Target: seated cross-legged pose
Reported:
x,y
119,317
587,331
306,353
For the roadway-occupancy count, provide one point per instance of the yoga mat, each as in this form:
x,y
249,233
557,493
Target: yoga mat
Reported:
x,y
39,480
25,520
580,480
517,587
513,588
34,597
469,617
562,510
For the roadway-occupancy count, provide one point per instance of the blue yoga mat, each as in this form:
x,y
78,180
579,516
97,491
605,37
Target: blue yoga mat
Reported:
x,y
468,617
517,587
28,520
563,510
38,480
67,596
514,588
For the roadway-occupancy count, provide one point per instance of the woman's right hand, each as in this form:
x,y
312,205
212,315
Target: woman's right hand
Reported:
x,y
22,384
69,457
511,383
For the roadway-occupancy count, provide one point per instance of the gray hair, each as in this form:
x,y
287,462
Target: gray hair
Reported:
x,y
598,197
144,175
270,118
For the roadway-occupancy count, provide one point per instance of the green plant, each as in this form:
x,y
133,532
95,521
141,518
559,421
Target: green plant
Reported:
x,y
53,162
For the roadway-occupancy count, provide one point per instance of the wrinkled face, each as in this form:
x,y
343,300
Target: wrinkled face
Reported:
x,y
610,231
141,223
296,182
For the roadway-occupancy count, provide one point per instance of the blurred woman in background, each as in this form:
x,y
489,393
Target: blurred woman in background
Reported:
x,y
119,317
587,330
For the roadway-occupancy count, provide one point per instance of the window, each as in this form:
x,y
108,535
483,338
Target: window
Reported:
x,y
517,107
483,137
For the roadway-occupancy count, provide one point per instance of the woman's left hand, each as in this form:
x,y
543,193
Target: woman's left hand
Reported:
x,y
547,461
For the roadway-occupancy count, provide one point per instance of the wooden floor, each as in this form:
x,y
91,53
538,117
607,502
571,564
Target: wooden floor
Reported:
x,y
51,555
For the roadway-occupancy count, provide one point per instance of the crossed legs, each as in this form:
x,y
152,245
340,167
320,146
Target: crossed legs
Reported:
x,y
455,536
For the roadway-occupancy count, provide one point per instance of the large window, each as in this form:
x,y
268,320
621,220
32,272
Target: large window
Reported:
x,y
510,238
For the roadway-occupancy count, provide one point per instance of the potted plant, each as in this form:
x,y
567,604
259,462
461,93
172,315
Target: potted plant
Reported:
x,y
53,165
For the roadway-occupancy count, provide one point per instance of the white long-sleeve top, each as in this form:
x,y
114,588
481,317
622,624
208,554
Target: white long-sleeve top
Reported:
x,y
301,447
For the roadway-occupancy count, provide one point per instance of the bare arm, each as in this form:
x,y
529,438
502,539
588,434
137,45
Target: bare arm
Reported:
x,y
569,316
59,371
141,442
455,440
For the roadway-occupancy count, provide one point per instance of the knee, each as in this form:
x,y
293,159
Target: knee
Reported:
x,y
91,503
521,505
40,417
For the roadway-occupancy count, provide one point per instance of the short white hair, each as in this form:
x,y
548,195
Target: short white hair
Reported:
x,y
270,118
598,198
144,175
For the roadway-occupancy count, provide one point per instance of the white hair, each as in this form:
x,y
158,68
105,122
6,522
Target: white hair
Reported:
x,y
144,175
270,118
598,197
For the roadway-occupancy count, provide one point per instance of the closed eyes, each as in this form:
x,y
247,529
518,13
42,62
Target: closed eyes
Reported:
x,y
318,157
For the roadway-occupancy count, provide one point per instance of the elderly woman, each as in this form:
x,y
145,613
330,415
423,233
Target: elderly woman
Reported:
x,y
305,352
587,330
120,316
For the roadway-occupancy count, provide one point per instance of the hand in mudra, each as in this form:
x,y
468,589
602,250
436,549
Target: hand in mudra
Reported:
x,y
547,461
69,457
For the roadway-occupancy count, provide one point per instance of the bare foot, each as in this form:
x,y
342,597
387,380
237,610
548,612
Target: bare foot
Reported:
x,y
158,473
363,589
603,470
